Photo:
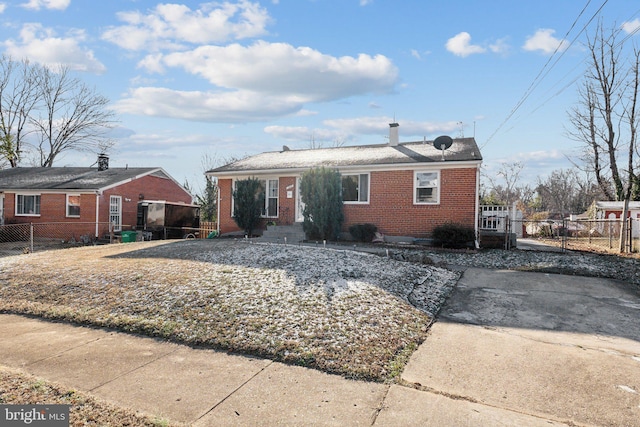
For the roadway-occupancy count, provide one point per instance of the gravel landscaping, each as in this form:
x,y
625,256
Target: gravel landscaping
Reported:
x,y
342,311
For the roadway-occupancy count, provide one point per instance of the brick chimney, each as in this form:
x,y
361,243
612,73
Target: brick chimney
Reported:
x,y
103,162
393,134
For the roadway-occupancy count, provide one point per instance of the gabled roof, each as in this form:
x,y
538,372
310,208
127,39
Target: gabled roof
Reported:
x,y
81,179
406,154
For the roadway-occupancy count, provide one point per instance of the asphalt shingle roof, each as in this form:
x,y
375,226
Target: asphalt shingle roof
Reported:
x,y
71,178
410,153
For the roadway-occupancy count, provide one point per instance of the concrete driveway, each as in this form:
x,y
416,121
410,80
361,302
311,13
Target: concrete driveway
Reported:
x,y
559,348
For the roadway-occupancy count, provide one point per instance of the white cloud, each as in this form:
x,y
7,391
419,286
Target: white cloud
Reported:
x,y
47,4
41,45
169,26
460,45
3,7
544,41
365,2
631,26
541,156
304,137
380,126
348,130
213,107
500,47
279,69
152,63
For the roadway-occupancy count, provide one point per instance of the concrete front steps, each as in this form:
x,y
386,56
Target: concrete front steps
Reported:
x,y
283,234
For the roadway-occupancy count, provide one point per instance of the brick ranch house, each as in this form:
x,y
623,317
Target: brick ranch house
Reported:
x,y
83,200
405,189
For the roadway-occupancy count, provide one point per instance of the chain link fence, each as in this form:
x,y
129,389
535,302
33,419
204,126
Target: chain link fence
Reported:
x,y
601,235
26,238
18,239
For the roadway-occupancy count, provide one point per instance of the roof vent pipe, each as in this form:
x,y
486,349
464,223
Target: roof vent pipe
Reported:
x,y
393,134
103,162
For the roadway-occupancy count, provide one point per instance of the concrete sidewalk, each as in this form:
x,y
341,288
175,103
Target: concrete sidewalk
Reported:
x,y
509,348
208,388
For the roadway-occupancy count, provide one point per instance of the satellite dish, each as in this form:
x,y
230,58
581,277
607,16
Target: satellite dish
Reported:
x,y
442,143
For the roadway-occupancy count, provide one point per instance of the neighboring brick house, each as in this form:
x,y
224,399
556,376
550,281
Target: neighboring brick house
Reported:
x,y
84,200
613,210
405,189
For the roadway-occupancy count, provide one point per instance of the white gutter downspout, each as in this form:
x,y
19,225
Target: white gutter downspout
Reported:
x,y
218,211
477,206
97,212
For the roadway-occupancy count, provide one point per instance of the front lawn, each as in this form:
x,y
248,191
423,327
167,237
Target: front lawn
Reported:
x,y
345,312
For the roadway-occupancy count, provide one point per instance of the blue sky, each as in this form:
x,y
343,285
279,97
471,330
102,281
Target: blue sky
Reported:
x,y
228,79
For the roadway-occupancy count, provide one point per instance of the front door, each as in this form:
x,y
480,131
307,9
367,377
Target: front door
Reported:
x,y
1,209
299,203
115,212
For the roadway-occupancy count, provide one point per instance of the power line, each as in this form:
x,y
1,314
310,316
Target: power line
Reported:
x,y
542,74
574,79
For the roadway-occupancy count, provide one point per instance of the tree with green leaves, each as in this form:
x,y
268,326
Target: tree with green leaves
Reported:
x,y
321,192
248,204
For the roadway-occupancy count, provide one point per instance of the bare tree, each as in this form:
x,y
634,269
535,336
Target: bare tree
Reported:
x,y
558,191
19,95
606,116
504,185
74,117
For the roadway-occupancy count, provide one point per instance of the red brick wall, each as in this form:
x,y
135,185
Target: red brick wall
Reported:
x,y
225,194
286,206
392,210
53,206
390,207
150,188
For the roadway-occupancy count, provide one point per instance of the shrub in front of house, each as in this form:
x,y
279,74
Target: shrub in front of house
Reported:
x,y
321,192
248,203
363,232
452,235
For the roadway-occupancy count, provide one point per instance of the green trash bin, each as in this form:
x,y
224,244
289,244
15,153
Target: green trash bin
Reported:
x,y
128,236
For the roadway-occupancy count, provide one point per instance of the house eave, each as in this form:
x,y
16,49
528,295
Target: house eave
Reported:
x,y
464,164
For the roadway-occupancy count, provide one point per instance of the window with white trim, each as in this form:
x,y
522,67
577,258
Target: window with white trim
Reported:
x,y
73,205
268,187
426,188
27,204
355,188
